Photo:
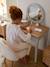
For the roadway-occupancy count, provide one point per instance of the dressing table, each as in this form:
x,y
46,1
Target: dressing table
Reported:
x,y
38,32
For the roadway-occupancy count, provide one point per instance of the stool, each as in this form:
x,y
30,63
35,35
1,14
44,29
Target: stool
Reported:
x,y
7,53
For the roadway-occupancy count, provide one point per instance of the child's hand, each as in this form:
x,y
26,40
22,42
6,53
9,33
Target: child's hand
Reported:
x,y
28,29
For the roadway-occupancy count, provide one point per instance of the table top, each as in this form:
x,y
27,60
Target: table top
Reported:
x,y
38,34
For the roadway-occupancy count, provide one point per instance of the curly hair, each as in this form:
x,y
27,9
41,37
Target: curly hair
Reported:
x,y
15,13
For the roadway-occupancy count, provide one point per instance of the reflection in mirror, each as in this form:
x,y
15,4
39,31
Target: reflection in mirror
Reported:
x,y
35,13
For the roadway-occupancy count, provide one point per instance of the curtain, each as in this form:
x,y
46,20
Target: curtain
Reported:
x,y
3,9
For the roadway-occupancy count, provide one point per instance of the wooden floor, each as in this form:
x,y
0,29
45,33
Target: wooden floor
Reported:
x,y
31,61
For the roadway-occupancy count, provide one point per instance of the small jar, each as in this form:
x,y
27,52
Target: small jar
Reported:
x,y
37,24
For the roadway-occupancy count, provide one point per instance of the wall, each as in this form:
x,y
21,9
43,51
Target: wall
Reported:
x,y
23,4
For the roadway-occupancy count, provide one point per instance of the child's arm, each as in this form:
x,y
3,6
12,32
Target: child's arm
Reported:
x,y
23,36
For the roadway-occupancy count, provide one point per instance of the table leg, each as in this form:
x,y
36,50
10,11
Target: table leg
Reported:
x,y
36,51
46,39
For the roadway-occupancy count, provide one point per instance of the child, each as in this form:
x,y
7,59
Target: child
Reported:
x,y
17,39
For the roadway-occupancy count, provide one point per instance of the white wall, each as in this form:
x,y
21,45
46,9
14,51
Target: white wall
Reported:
x,y
23,4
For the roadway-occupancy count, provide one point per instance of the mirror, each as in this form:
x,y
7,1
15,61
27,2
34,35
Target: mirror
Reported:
x,y
35,13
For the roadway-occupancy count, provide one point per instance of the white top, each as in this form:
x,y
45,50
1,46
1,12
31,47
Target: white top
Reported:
x,y
15,36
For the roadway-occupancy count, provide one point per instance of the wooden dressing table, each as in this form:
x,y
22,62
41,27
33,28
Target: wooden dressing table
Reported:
x,y
38,35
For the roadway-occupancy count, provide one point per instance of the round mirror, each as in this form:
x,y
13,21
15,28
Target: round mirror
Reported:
x,y
35,13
